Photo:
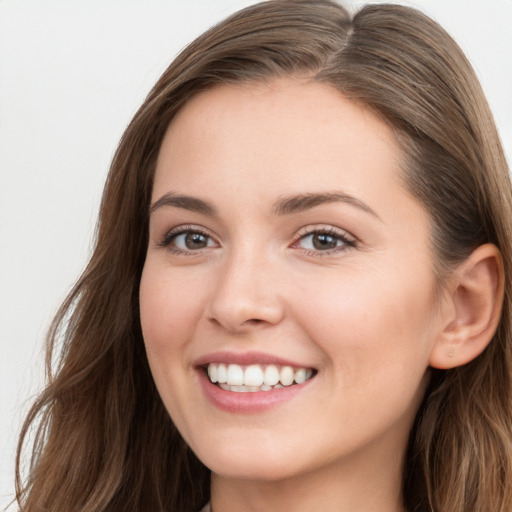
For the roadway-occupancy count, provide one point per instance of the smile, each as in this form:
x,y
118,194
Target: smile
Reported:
x,y
255,377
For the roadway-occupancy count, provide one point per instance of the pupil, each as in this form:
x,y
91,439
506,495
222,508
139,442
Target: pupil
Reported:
x,y
195,241
323,241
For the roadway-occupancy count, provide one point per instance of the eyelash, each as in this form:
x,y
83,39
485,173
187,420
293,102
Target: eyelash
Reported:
x,y
170,236
347,241
338,235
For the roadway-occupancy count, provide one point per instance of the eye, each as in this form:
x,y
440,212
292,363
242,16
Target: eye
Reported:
x,y
192,241
187,240
326,241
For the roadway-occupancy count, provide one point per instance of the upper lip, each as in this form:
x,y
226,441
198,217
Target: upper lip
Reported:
x,y
246,359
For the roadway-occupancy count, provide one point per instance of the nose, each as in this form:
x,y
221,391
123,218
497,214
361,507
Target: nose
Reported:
x,y
246,295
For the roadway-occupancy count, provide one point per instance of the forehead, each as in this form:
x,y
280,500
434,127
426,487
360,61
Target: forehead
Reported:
x,y
283,137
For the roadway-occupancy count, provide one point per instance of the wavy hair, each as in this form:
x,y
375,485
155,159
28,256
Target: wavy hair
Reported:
x,y
99,436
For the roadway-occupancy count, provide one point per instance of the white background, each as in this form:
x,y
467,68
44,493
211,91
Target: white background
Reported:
x,y
72,73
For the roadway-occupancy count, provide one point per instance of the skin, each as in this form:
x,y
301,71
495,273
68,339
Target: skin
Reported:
x,y
364,314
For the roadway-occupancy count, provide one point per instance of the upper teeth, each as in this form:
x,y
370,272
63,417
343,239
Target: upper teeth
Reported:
x,y
256,375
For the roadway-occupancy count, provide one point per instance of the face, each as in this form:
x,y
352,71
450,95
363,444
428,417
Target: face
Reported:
x,y
288,261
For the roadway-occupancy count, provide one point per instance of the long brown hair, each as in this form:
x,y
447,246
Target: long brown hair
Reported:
x,y
101,439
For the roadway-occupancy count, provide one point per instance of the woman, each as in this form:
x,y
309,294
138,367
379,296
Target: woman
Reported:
x,y
299,297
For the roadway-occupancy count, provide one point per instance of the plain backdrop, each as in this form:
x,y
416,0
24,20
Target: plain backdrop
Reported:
x,y
72,74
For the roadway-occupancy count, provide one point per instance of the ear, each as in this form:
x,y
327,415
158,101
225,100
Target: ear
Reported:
x,y
475,298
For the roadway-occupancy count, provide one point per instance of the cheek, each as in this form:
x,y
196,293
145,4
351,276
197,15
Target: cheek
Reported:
x,y
169,312
376,341
169,309
369,324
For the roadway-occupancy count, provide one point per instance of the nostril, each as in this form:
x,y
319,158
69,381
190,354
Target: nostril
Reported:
x,y
252,322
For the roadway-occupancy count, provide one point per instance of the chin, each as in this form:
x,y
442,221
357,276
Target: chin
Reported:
x,y
259,470
251,461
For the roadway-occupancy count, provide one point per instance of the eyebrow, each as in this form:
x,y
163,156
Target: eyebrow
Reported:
x,y
284,206
190,203
302,202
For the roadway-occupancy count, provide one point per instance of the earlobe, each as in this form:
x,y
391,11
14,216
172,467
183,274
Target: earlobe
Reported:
x,y
476,297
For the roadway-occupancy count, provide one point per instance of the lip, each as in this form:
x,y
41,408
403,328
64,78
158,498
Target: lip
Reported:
x,y
247,403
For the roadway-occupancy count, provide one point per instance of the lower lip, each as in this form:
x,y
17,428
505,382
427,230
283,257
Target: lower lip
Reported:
x,y
251,402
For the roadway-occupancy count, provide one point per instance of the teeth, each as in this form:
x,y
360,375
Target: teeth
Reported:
x,y
256,377
286,376
212,372
300,376
222,373
235,375
271,375
253,375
